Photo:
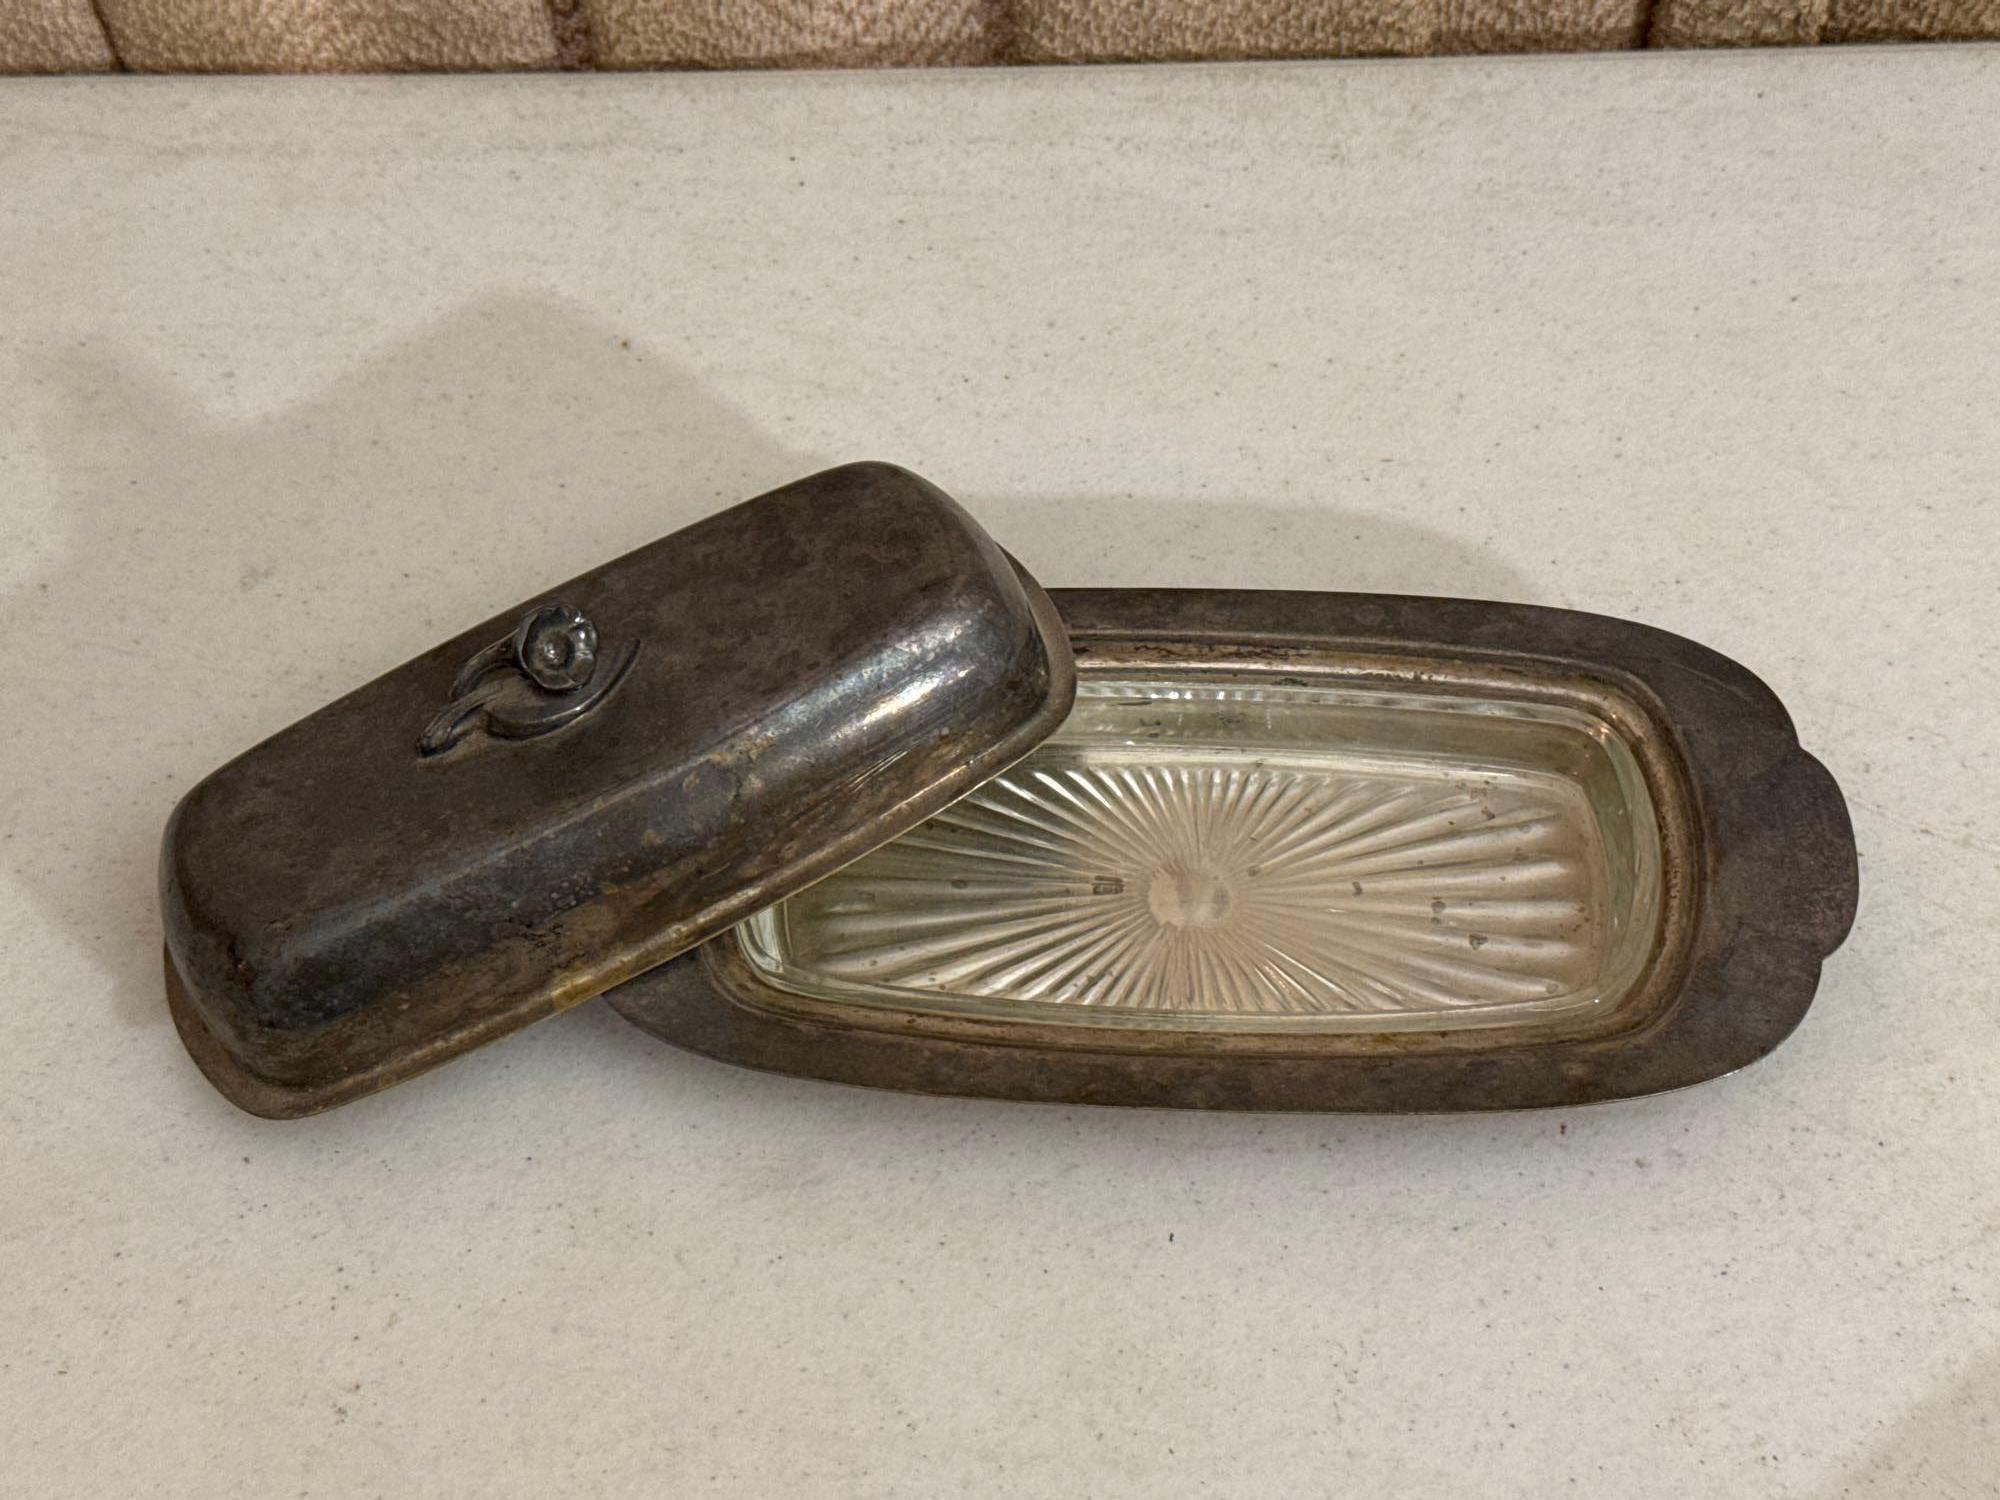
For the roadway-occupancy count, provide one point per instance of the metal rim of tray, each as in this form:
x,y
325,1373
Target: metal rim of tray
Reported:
x,y
1762,886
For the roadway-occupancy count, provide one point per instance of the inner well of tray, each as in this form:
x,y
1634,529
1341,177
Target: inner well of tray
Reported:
x,y
1245,852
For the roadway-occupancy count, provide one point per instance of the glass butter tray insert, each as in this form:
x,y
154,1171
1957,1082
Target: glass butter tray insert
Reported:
x,y
1236,852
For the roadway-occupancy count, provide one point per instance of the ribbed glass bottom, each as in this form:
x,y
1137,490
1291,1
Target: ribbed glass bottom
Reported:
x,y
1242,854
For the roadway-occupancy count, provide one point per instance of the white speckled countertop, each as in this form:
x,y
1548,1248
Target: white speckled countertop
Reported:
x,y
300,377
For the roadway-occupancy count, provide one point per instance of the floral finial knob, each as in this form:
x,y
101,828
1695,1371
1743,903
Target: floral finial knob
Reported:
x,y
556,647
539,677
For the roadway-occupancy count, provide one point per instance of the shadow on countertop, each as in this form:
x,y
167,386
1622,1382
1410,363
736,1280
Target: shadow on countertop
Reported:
x,y
225,580
1947,1444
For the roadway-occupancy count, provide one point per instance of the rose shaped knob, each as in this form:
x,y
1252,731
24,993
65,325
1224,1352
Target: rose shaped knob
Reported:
x,y
541,676
556,647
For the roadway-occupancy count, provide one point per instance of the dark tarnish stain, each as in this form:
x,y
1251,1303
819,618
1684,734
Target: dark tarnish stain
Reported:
x,y
440,905
239,966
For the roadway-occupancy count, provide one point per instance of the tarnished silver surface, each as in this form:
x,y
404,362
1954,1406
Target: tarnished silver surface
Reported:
x,y
796,680
1567,928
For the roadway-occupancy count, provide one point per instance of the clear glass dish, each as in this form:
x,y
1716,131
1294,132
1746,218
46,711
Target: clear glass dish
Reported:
x,y
1240,851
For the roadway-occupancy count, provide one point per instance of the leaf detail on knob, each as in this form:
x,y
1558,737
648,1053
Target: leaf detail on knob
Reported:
x,y
542,675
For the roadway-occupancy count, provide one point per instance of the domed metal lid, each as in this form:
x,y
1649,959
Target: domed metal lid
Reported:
x,y
600,778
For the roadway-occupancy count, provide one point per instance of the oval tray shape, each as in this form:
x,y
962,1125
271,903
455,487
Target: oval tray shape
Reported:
x,y
1683,869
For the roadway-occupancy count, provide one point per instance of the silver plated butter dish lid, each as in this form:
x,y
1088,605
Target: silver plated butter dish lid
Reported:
x,y
596,780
